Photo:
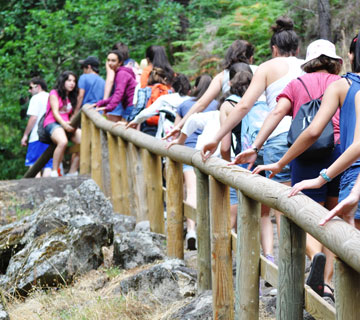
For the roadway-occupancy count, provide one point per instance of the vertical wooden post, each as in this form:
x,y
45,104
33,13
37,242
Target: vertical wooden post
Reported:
x,y
174,208
290,298
154,191
138,182
248,258
115,171
96,169
347,292
105,167
221,264
124,191
203,232
85,145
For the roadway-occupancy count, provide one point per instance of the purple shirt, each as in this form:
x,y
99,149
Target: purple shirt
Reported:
x,y
124,87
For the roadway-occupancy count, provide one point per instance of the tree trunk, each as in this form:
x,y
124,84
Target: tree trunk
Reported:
x,y
324,19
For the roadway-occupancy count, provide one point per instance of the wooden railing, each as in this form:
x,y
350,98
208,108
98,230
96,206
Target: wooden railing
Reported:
x,y
131,161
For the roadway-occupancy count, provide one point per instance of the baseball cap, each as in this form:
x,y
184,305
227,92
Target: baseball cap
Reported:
x,y
321,47
90,60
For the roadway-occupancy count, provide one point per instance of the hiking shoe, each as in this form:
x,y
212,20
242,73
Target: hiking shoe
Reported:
x,y
54,174
191,240
315,279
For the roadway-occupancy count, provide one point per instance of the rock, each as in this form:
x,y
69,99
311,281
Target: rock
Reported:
x,y
143,226
3,314
133,249
199,308
123,223
55,257
62,238
159,283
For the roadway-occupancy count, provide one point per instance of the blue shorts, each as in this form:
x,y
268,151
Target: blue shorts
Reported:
x,y
186,167
302,170
347,182
49,129
34,151
274,149
120,111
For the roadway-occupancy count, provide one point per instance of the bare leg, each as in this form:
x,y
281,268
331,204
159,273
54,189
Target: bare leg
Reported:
x,y
266,231
59,138
190,186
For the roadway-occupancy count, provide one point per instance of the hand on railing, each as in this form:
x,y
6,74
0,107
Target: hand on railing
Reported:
x,y
346,208
131,124
173,133
248,156
307,184
275,168
180,140
209,149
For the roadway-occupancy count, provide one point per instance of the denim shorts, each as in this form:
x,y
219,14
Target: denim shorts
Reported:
x,y
274,149
122,112
51,127
186,167
347,182
34,151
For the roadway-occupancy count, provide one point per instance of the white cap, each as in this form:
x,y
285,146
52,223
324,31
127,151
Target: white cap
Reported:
x,y
321,47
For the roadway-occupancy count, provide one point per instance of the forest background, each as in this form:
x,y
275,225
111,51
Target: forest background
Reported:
x,y
45,37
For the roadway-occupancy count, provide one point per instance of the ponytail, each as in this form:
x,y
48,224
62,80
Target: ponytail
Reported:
x,y
355,50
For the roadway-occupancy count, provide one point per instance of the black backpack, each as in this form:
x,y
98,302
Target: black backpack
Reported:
x,y
324,145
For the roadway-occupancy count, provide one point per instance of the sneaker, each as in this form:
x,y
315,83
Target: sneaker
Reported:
x,y
191,240
54,174
73,174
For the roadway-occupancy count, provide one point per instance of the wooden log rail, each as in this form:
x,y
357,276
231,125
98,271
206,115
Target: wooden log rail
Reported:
x,y
136,188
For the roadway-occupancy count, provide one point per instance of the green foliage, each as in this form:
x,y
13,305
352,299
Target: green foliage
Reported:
x,y
46,37
210,36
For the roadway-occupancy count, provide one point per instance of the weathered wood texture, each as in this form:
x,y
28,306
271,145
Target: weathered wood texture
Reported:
x,y
85,145
137,177
347,292
105,166
174,209
203,232
45,157
289,303
221,262
125,190
96,168
115,169
317,306
247,259
153,184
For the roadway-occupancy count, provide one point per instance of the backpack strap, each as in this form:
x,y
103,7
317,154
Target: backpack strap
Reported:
x,y
302,82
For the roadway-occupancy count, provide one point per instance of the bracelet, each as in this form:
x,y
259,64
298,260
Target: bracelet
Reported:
x,y
255,148
324,175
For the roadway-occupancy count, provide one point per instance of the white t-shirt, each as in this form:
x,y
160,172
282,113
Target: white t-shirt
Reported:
x,y
37,107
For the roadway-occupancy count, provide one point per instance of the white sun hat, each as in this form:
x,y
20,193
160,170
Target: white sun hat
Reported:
x,y
321,47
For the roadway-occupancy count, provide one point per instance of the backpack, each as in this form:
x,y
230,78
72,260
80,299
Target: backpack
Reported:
x,y
324,145
236,131
157,90
43,136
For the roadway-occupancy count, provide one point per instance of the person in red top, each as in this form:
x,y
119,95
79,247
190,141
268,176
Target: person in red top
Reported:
x,y
156,57
322,66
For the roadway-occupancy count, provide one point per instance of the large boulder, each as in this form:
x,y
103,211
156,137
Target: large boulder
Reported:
x,y
59,240
167,282
133,249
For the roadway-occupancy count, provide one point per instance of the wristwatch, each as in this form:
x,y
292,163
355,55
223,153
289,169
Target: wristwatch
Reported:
x,y
324,175
255,148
